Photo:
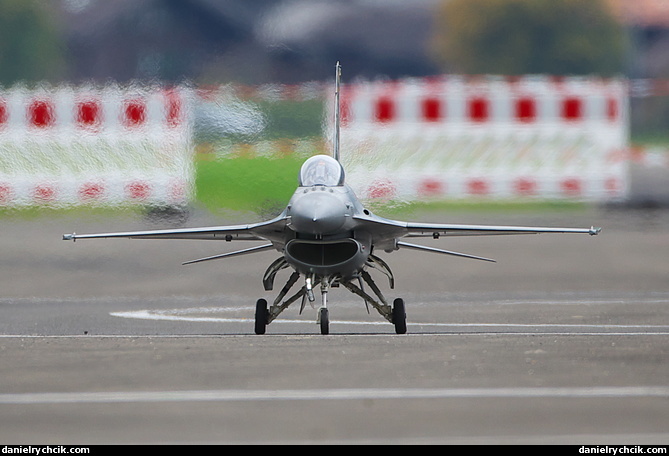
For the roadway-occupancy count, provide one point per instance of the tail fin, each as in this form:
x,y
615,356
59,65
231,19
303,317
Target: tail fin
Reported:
x,y
335,152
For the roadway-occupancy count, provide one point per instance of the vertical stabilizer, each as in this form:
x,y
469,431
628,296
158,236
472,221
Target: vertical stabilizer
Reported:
x,y
337,121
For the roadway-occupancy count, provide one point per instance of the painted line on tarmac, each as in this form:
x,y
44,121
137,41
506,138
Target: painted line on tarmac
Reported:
x,y
332,394
206,315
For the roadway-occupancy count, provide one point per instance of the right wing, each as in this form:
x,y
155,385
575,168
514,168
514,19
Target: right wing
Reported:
x,y
436,229
398,229
387,233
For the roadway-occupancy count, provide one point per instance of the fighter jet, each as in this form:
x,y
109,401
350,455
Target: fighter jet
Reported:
x,y
330,239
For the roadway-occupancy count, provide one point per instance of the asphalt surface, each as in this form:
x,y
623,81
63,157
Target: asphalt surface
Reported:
x,y
564,340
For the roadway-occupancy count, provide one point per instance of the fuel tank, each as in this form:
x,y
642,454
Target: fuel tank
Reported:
x,y
342,257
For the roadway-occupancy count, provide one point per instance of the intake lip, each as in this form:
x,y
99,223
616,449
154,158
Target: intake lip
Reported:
x,y
343,257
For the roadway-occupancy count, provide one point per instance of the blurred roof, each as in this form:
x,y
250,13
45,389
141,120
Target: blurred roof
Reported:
x,y
85,15
166,39
645,13
388,37
251,40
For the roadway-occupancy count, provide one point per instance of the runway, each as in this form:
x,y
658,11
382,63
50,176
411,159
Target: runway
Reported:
x,y
565,340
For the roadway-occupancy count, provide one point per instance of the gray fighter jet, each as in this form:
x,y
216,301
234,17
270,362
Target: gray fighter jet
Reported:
x,y
328,237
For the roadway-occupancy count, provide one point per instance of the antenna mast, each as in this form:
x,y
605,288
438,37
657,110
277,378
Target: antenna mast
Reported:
x,y
337,112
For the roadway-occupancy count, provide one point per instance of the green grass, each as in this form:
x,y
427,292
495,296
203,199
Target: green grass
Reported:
x,y
35,212
262,185
655,139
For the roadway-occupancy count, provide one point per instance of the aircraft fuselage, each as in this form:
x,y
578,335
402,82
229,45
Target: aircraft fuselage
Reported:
x,y
325,238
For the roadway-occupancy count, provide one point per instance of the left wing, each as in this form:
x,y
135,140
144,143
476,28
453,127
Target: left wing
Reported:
x,y
271,230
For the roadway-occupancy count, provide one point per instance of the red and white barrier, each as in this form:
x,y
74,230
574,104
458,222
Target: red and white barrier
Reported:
x,y
481,101
492,137
99,146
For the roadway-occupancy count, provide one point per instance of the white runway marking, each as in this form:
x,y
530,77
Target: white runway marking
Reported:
x,y
331,394
213,315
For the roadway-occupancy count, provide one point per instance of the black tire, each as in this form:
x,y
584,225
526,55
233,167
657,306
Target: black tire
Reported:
x,y
261,316
324,318
399,316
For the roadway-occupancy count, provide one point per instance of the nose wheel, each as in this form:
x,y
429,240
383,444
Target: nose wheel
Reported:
x,y
324,320
323,313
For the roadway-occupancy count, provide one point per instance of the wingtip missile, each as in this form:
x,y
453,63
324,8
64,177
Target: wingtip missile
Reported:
x,y
594,231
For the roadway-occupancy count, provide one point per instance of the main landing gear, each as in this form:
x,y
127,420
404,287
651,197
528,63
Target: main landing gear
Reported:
x,y
264,314
261,316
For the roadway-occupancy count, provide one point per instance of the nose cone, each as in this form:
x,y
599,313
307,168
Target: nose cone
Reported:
x,y
318,212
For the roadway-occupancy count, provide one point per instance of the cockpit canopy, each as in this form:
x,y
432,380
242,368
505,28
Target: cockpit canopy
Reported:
x,y
321,170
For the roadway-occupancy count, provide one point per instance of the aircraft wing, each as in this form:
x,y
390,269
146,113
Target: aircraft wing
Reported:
x,y
386,233
392,228
436,230
270,230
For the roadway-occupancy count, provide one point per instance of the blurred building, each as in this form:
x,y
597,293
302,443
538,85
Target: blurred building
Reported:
x,y
647,22
250,41
370,37
167,40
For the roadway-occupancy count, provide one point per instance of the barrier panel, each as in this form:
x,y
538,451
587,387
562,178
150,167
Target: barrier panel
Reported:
x,y
487,137
95,146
